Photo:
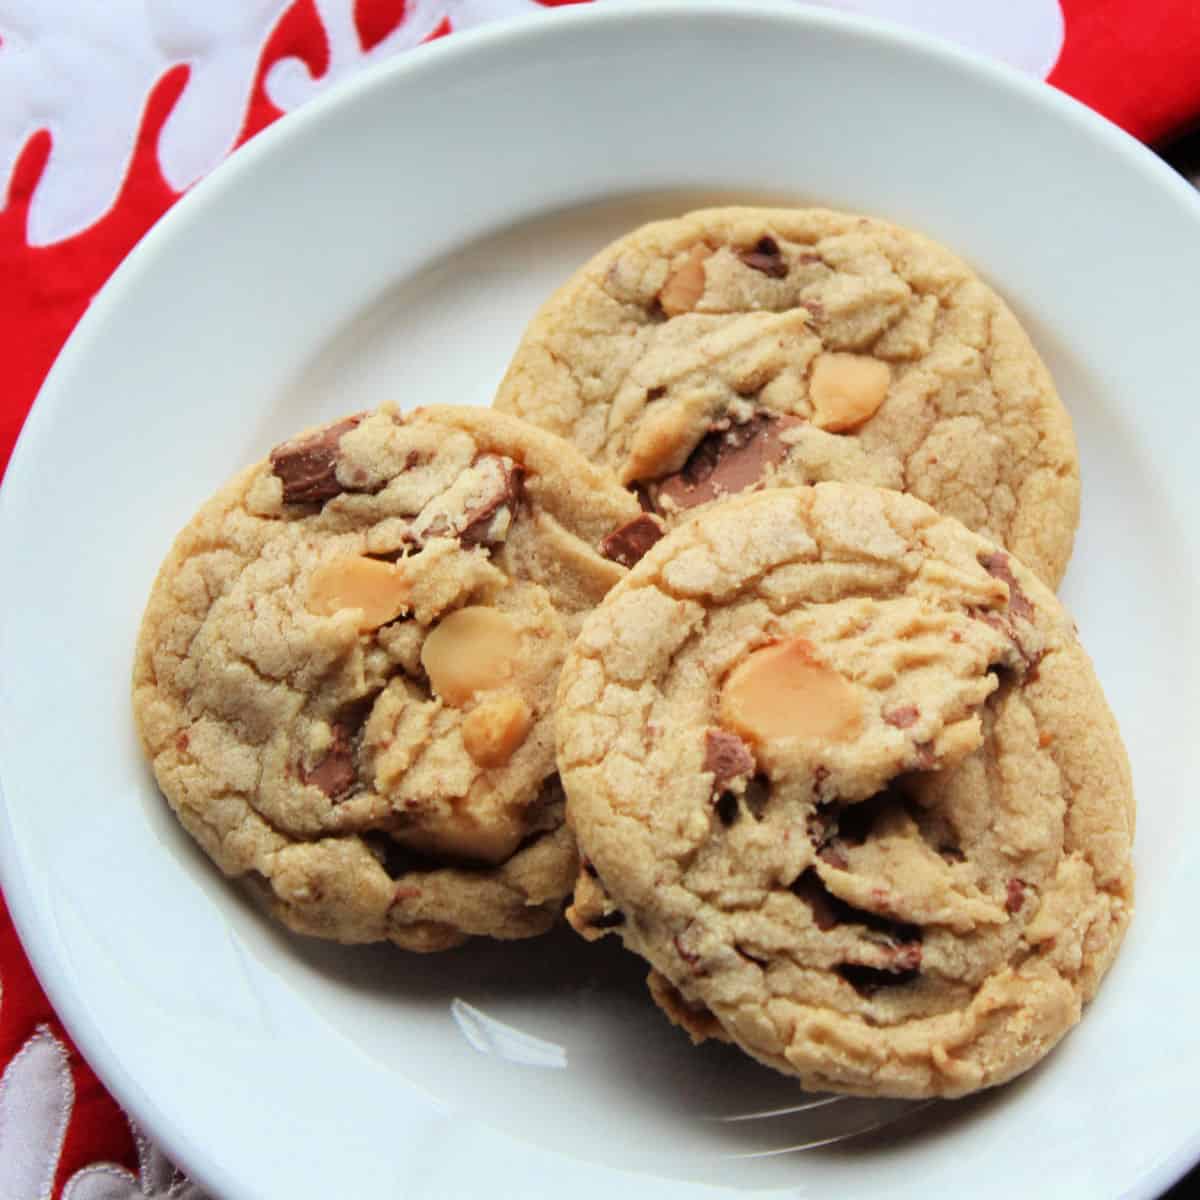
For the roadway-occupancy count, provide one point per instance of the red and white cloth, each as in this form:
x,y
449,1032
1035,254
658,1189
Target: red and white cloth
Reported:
x,y
109,112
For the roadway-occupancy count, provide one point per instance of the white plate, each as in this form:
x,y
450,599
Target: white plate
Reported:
x,y
390,241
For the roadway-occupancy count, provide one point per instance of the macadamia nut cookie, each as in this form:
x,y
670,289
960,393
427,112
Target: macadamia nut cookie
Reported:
x,y
345,672
841,772
738,348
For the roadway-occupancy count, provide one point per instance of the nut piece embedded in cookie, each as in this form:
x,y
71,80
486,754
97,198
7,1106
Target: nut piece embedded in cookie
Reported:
x,y
470,651
378,589
493,731
784,690
307,465
847,389
685,285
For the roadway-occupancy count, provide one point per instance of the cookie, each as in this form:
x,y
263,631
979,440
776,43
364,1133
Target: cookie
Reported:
x,y
736,348
843,775
345,672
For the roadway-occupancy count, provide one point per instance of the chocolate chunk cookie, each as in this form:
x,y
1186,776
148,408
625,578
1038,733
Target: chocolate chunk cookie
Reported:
x,y
738,348
843,775
346,668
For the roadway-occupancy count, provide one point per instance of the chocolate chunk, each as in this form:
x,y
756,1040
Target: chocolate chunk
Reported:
x,y
307,466
952,854
904,716
1015,897
726,461
726,756
508,478
627,544
766,257
1018,603
476,519
335,773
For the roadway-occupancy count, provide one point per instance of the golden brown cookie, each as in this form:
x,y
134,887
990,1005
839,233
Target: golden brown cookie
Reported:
x,y
842,773
737,348
346,668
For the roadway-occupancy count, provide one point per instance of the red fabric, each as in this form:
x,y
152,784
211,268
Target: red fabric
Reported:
x,y
1135,61
298,35
1132,60
97,1131
375,19
47,288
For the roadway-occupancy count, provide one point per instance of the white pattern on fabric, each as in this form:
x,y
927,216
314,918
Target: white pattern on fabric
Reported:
x,y
289,83
37,1094
157,1178
84,72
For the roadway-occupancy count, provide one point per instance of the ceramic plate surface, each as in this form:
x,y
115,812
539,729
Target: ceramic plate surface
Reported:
x,y
390,241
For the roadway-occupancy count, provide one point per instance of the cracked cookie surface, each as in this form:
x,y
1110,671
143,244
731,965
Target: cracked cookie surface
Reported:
x,y
346,667
841,772
739,347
